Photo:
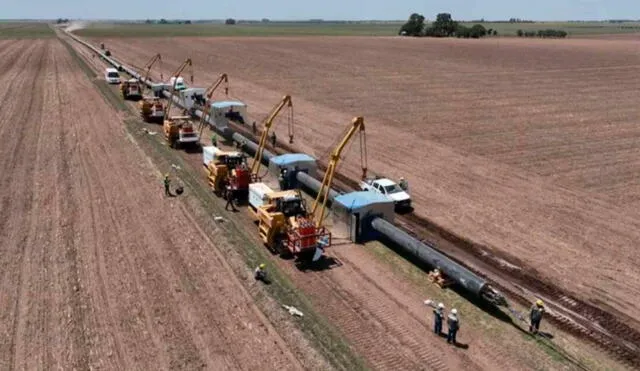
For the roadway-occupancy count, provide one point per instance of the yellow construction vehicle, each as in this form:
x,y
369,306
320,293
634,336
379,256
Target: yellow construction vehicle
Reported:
x,y
207,99
285,225
131,89
178,130
151,107
226,168
257,160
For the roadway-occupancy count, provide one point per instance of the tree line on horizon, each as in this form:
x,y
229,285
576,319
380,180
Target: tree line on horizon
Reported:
x,y
443,26
446,26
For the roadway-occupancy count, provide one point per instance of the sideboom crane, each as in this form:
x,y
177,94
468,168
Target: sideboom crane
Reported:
x,y
208,94
357,125
178,130
284,102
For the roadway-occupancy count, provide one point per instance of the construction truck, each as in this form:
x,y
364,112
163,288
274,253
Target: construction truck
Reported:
x,y
178,130
284,224
257,160
131,89
151,107
389,189
226,168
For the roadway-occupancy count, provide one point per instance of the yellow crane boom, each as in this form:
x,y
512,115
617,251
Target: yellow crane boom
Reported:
x,y
176,74
150,64
284,102
208,94
357,125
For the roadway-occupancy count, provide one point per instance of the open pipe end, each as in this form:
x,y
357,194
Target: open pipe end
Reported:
x,y
494,296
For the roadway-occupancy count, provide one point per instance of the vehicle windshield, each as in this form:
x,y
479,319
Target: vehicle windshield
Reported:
x,y
392,189
113,74
188,135
292,208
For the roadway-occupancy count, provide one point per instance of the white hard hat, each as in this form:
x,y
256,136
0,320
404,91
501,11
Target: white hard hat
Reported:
x,y
454,311
401,178
440,305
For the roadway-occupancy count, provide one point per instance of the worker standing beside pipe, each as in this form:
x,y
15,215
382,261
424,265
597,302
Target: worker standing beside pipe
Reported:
x,y
438,317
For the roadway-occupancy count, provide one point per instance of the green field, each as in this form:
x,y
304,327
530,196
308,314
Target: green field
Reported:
x,y
23,30
258,29
572,28
330,29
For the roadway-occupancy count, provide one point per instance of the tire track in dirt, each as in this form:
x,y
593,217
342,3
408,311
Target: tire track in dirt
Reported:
x,y
177,291
17,185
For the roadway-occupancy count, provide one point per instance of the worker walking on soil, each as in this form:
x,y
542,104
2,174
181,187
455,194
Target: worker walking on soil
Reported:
x,y
230,198
404,184
167,183
537,310
214,140
438,317
260,274
453,322
273,139
254,128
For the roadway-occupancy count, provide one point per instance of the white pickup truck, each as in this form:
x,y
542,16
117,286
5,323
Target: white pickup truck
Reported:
x,y
390,189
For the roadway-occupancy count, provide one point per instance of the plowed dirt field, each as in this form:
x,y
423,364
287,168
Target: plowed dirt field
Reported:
x,y
526,146
90,278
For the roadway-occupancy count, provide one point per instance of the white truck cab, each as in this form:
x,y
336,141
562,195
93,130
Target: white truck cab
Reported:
x,y
112,76
390,189
180,84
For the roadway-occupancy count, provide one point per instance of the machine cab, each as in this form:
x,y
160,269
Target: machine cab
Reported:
x,y
291,205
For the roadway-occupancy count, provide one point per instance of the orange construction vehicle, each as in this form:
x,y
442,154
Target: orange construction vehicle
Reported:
x,y
151,107
178,130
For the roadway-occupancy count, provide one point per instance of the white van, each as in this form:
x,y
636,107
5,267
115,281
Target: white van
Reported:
x,y
112,76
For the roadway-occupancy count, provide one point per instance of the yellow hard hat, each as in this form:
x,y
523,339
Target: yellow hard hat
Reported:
x,y
262,266
539,303
166,175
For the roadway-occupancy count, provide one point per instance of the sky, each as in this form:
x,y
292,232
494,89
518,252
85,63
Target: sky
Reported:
x,y
542,10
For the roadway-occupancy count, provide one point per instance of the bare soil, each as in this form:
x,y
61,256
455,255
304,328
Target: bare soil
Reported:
x,y
99,268
525,146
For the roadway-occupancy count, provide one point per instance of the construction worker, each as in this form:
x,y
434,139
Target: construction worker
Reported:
x,y
254,128
404,184
273,139
167,183
537,310
214,140
453,322
260,274
438,317
230,198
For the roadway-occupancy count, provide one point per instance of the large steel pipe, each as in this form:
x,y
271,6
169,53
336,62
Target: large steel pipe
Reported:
x,y
430,256
314,185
